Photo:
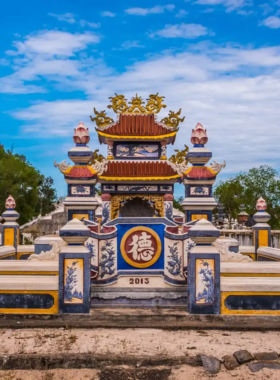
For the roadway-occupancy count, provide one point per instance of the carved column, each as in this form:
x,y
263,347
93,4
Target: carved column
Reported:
x,y
106,207
110,155
163,151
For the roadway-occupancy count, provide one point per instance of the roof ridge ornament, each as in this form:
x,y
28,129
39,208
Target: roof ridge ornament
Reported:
x,y
101,119
136,106
217,167
62,166
173,119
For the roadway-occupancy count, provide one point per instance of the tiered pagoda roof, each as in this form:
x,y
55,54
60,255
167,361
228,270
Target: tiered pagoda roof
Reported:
x,y
137,121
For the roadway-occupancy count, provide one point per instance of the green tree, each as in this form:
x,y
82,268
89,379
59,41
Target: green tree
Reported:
x,y
32,191
177,204
246,188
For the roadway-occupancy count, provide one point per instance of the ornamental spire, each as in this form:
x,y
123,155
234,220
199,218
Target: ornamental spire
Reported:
x,y
10,203
81,134
199,135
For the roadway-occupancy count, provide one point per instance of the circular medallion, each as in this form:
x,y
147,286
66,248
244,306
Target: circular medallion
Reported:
x,y
141,247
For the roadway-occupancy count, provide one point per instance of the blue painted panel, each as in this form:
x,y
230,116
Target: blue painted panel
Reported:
x,y
42,247
123,228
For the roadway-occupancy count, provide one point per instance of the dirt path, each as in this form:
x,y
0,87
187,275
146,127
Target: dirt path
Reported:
x,y
137,343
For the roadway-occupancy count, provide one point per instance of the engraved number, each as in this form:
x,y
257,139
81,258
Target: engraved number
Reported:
x,y
139,281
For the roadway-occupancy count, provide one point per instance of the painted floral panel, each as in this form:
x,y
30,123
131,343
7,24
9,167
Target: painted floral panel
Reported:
x,y
205,275
73,281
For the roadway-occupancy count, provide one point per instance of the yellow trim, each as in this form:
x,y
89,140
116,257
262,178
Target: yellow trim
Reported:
x,y
110,157
138,178
9,255
81,216
67,171
210,169
250,254
133,263
52,310
199,216
268,257
263,238
225,310
250,274
138,137
163,158
23,273
19,254
9,236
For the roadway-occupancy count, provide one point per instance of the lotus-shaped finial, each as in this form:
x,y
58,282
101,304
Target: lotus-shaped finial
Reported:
x,y
10,203
261,204
81,134
199,135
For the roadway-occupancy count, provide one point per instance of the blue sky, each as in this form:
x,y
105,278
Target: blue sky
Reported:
x,y
218,60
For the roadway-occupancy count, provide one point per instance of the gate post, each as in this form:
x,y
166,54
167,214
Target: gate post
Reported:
x,y
204,270
74,269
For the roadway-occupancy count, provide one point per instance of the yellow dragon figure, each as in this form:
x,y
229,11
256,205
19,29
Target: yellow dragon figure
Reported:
x,y
101,119
136,105
173,119
155,103
119,104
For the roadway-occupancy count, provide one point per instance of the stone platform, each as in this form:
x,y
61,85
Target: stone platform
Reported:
x,y
157,318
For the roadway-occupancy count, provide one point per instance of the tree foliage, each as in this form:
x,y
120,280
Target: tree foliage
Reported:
x,y
246,188
32,191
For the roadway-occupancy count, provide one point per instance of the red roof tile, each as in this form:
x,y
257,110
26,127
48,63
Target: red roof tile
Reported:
x,y
200,172
80,172
137,125
138,169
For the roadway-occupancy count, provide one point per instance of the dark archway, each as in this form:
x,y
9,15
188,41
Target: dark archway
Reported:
x,y
137,207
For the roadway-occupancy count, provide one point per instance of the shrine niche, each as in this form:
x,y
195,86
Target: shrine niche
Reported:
x,y
137,207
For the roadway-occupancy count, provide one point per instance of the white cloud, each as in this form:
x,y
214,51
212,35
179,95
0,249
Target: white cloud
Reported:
x,y
182,31
182,13
154,10
230,5
108,14
131,44
52,42
45,54
70,18
272,22
67,17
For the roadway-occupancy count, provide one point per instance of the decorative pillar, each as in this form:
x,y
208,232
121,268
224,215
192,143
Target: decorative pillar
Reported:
x,y
203,270
81,177
199,179
163,155
10,229
261,230
168,206
110,155
74,269
106,208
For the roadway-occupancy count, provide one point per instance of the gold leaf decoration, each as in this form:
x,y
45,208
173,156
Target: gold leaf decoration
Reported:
x,y
101,119
119,104
155,103
173,119
136,105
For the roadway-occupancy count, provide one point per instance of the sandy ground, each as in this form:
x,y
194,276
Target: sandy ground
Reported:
x,y
137,342
180,373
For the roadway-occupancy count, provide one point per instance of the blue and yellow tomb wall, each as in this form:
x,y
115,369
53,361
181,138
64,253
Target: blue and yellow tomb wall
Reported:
x,y
26,288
